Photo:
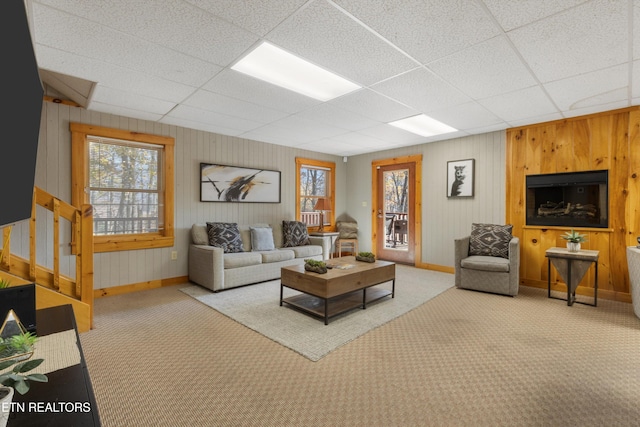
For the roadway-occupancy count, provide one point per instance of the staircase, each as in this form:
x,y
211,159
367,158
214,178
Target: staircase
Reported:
x,y
54,288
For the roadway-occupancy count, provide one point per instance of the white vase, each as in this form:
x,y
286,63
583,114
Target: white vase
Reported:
x,y
573,247
5,404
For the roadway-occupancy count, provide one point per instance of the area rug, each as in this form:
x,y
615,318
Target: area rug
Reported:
x,y
258,308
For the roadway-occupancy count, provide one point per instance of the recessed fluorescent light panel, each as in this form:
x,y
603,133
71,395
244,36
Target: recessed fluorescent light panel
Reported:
x,y
272,64
423,125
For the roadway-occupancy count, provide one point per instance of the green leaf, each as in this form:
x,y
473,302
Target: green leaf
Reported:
x,y
41,378
28,365
6,364
21,386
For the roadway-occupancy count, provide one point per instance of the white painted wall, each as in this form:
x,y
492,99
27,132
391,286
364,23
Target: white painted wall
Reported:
x,y
443,219
53,174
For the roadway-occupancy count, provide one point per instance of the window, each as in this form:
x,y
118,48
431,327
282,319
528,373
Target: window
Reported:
x,y
128,179
314,180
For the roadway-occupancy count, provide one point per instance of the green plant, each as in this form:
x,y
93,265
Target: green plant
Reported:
x,y
366,254
23,342
17,344
315,263
574,237
4,283
16,377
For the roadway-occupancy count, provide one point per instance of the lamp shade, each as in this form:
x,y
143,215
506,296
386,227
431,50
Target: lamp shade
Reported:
x,y
323,205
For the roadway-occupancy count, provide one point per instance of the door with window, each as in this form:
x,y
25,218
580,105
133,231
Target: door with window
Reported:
x,y
395,211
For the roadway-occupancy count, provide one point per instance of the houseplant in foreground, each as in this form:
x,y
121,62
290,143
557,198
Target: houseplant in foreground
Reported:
x,y
16,348
574,239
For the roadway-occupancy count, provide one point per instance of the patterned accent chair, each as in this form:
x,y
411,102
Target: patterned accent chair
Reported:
x,y
488,260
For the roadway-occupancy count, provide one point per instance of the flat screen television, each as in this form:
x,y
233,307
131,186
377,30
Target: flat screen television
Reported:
x,y
20,120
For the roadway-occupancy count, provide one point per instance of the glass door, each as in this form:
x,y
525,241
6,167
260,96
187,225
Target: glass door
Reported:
x,y
395,212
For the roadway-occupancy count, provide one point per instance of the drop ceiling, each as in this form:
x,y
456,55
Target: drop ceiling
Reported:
x,y
475,65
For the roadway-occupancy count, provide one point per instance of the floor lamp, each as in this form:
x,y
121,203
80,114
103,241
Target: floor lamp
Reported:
x,y
322,205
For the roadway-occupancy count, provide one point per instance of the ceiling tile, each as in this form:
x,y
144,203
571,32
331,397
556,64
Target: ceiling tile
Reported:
x,y
60,30
580,40
387,132
124,111
421,90
330,146
116,97
521,104
426,30
239,86
191,124
222,104
320,33
174,24
465,116
311,129
111,75
596,109
336,116
513,14
586,90
278,135
258,17
635,80
213,119
374,105
496,69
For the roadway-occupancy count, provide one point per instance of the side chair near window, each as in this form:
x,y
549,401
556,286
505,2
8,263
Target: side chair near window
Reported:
x,y
347,236
488,260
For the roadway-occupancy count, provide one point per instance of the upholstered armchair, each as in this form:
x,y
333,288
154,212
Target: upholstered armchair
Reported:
x,y
488,260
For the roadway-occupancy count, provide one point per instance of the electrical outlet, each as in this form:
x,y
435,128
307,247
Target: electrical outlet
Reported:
x,y
174,255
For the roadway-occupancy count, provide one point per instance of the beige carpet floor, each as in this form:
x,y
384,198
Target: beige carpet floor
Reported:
x,y
464,358
258,308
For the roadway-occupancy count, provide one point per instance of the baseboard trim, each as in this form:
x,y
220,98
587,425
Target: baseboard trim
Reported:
x,y
142,286
435,267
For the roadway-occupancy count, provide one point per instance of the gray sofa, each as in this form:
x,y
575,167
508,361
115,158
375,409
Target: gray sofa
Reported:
x,y
211,268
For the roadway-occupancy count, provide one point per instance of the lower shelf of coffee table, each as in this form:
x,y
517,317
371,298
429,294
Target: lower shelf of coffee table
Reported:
x,y
337,305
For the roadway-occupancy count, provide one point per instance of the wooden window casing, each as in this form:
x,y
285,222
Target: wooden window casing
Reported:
x,y
164,237
330,168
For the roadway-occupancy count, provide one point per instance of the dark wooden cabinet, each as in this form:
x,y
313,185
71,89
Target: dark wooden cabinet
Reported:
x,y
67,399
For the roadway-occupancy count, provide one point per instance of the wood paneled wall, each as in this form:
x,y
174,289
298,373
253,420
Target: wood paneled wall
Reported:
x,y
605,141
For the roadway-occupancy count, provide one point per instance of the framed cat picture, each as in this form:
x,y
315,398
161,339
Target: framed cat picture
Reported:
x,y
460,178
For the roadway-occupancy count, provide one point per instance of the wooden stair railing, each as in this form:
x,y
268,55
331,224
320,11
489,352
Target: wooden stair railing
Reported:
x,y
55,288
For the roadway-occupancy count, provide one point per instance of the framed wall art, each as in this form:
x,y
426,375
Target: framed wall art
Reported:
x,y
460,177
224,183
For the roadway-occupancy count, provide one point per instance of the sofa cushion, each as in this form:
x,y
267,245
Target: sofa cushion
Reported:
x,y
199,234
485,263
225,235
294,234
306,251
241,259
262,239
277,255
490,240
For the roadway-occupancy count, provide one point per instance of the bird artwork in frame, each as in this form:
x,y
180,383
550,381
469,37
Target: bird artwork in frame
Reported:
x,y
224,183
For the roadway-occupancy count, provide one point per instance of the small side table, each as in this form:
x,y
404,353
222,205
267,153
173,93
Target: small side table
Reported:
x,y
572,266
331,235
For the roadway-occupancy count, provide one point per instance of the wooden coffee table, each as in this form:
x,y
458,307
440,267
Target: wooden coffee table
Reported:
x,y
343,288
